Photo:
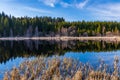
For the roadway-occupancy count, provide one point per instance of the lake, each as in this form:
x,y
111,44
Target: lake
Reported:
x,y
12,53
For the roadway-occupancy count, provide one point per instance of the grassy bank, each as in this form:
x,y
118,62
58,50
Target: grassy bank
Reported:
x,y
63,69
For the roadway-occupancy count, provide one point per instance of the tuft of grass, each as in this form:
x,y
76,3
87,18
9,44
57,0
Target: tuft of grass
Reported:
x,y
57,68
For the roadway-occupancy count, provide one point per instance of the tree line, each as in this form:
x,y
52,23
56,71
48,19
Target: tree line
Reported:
x,y
11,26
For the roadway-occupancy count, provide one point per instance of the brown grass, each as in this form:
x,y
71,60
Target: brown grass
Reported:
x,y
62,69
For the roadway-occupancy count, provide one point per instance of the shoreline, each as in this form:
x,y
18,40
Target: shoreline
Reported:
x,y
64,38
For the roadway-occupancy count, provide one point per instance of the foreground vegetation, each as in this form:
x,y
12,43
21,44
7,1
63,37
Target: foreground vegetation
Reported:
x,y
62,69
48,26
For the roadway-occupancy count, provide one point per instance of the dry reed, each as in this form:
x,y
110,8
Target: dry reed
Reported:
x,y
62,69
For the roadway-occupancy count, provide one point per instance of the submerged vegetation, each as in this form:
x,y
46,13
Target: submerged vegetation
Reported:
x,y
56,68
48,26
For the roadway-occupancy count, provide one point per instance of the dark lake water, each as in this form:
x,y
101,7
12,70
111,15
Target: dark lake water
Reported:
x,y
12,53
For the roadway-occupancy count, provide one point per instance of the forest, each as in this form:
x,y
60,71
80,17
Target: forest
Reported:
x,y
11,26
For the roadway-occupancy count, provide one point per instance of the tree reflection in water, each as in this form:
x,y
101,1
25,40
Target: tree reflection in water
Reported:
x,y
28,48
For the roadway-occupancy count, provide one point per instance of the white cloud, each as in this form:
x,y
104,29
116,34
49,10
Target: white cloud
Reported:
x,y
19,10
73,3
109,11
64,4
11,8
82,4
50,3
36,10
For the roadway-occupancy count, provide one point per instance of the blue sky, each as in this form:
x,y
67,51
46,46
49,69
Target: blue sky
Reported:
x,y
71,10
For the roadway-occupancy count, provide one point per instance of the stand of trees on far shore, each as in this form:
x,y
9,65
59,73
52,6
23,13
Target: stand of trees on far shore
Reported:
x,y
11,26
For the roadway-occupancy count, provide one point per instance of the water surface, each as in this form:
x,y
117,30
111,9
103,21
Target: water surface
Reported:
x,y
12,53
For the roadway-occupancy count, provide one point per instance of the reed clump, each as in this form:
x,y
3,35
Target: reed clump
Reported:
x,y
57,68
